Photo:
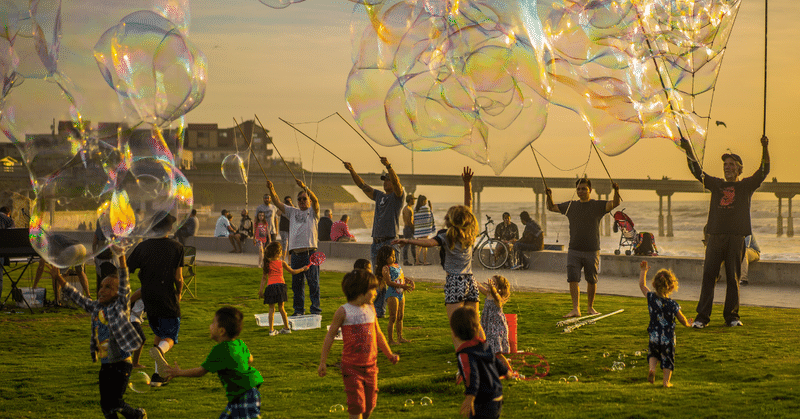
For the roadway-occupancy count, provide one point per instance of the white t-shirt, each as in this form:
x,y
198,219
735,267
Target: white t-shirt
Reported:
x,y
302,228
221,229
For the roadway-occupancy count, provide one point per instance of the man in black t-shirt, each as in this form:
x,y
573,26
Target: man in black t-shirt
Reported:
x,y
728,225
160,264
509,234
532,239
584,239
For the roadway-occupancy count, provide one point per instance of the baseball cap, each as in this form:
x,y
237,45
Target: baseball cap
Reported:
x,y
735,157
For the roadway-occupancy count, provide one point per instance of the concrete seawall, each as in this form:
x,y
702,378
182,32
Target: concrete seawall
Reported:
x,y
687,269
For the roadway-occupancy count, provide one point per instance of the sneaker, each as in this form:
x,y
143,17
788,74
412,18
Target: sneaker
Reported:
x,y
735,323
296,314
158,381
698,324
744,282
140,413
516,267
273,333
158,356
285,331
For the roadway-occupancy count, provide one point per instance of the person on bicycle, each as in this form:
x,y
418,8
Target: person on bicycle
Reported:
x,y
508,233
584,239
532,239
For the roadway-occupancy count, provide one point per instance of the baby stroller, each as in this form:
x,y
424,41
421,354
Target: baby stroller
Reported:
x,y
628,237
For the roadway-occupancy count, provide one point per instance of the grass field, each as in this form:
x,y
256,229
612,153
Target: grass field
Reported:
x,y
752,371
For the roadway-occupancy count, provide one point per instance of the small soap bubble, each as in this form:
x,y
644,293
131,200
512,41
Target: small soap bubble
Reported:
x,y
606,355
573,379
638,353
336,408
139,382
562,380
408,403
425,401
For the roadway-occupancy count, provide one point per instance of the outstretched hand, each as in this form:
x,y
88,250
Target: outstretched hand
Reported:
x,y
385,163
348,166
270,186
686,145
643,265
466,176
172,371
615,186
301,184
322,369
548,192
764,140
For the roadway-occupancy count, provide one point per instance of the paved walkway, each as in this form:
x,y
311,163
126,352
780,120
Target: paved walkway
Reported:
x,y
754,294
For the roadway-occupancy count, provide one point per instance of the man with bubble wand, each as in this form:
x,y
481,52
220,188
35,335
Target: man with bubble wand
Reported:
x,y
386,221
584,217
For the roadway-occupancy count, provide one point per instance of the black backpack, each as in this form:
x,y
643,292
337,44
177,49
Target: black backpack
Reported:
x,y
646,245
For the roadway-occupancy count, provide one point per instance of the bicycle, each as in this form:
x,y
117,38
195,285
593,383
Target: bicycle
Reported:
x,y
492,253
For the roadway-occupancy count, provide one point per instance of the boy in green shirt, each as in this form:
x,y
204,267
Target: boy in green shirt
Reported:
x,y
230,359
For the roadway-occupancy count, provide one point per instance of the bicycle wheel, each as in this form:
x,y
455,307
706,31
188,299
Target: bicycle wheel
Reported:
x,y
493,254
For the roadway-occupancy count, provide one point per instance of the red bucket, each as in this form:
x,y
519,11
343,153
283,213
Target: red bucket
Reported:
x,y
511,319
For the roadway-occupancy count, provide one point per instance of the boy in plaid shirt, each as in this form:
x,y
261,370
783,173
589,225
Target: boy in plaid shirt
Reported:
x,y
113,337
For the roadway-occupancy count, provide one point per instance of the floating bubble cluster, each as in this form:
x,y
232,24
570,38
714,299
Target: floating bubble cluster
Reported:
x,y
125,173
617,366
477,76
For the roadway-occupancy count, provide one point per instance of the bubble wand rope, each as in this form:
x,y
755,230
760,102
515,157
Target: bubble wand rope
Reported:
x,y
539,166
603,163
251,148
313,140
569,329
359,134
275,147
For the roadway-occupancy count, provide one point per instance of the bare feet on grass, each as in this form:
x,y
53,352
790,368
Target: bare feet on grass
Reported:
x,y
667,385
592,311
651,376
574,313
403,340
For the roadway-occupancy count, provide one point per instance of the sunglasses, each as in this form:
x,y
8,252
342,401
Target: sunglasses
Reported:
x,y
302,199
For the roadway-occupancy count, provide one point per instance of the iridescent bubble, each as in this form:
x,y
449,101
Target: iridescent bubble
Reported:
x,y
606,354
425,401
562,380
637,353
336,408
573,379
279,4
408,403
154,68
139,382
233,169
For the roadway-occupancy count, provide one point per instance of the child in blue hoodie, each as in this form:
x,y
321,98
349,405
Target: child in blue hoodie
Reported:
x,y
478,365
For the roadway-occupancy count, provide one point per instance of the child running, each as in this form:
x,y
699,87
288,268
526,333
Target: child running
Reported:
x,y
261,236
113,337
362,337
460,287
230,359
478,365
663,312
391,274
497,291
275,294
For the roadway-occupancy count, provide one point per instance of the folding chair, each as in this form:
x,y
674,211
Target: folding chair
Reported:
x,y
189,273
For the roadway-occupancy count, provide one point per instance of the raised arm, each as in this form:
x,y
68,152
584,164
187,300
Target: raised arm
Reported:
x,y
763,169
278,203
466,176
336,323
311,196
694,165
416,242
616,200
398,188
368,191
643,277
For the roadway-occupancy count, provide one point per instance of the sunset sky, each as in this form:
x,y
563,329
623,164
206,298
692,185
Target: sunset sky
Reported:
x,y
293,63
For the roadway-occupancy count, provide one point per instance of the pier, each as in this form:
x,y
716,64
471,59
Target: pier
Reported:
x,y
663,188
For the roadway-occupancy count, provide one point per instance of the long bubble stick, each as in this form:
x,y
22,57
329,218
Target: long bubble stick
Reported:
x,y
359,134
313,140
590,321
249,146
539,166
575,320
603,163
276,148
766,14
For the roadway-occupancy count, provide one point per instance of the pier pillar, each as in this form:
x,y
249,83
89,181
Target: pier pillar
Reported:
x,y
789,220
780,217
660,216
669,216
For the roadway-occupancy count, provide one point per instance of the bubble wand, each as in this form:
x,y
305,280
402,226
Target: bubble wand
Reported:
x,y
276,148
539,166
603,163
313,140
359,134
252,153
569,329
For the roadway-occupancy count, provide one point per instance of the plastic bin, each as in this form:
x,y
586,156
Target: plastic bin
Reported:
x,y
310,321
34,297
511,319
263,319
338,333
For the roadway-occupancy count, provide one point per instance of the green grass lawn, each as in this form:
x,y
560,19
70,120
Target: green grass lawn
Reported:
x,y
46,370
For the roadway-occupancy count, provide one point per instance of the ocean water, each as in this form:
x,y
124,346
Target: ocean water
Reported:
x,y
688,219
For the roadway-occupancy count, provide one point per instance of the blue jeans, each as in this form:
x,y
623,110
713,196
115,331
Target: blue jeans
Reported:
x,y
380,300
299,260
